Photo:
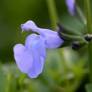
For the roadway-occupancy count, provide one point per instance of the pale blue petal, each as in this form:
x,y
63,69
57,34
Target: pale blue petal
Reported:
x,y
39,54
23,58
33,39
28,26
30,39
31,58
52,39
31,26
34,73
71,6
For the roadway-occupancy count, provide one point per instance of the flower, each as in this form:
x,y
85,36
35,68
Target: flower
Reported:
x,y
52,40
71,6
30,57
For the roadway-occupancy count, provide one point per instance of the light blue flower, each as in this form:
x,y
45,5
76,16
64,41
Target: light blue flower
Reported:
x,y
52,40
71,6
30,57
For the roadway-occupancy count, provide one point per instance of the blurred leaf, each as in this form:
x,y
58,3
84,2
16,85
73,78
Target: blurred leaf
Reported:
x,y
2,82
89,87
72,23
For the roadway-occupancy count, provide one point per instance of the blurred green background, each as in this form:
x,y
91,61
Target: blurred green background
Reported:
x,y
64,69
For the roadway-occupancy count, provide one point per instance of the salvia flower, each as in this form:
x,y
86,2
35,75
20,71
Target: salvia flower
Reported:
x,y
71,6
52,40
30,58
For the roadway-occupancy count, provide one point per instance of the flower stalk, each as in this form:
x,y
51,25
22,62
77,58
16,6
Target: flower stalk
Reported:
x,y
89,28
52,13
54,20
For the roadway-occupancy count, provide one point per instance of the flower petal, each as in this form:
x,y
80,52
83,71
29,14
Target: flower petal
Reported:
x,y
52,39
34,39
71,6
23,58
28,25
39,53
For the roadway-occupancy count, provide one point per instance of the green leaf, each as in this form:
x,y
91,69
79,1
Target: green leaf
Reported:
x,y
2,82
72,24
89,87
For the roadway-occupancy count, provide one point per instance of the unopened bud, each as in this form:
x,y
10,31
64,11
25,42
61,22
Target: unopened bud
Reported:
x,y
75,45
88,37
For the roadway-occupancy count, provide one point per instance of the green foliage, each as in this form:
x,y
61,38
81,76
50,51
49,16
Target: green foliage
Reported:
x,y
59,75
89,87
64,68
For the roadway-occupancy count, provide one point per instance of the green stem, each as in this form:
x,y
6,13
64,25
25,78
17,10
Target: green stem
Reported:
x,y
90,60
88,15
52,13
54,20
89,28
71,36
